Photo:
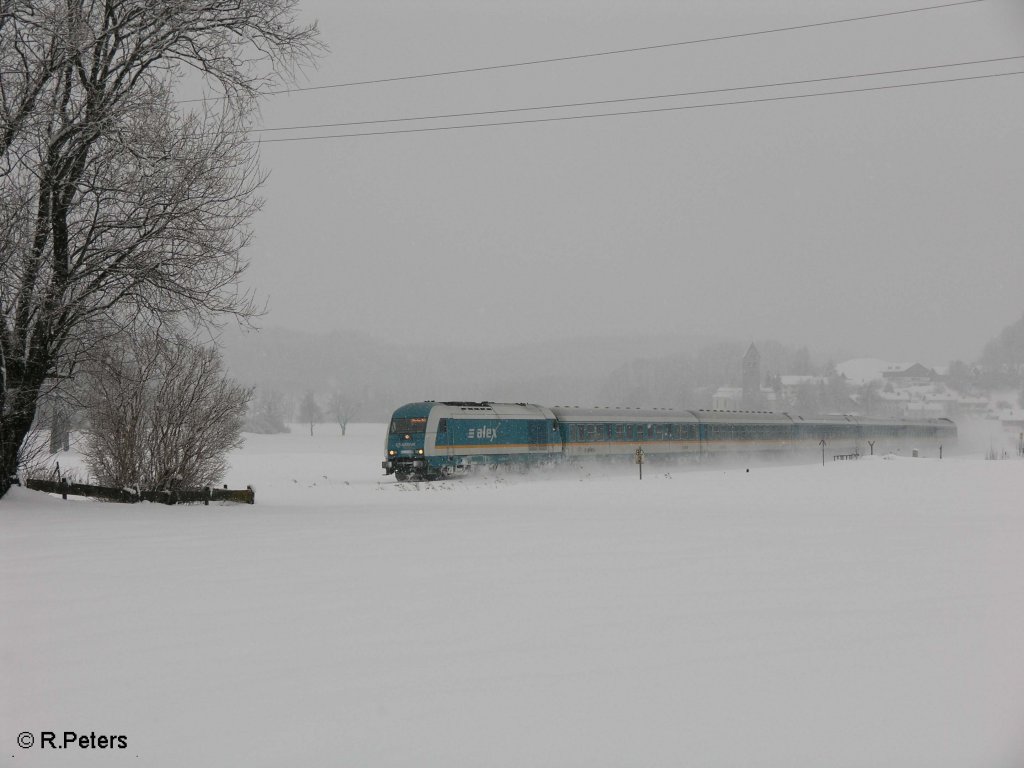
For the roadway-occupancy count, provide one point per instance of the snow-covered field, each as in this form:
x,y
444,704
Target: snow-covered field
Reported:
x,y
863,613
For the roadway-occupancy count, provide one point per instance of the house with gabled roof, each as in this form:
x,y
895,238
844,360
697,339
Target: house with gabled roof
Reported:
x,y
909,376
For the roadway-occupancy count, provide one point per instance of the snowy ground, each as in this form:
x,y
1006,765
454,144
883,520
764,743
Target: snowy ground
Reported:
x,y
859,614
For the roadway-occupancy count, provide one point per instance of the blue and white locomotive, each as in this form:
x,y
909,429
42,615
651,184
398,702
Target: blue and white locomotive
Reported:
x,y
431,440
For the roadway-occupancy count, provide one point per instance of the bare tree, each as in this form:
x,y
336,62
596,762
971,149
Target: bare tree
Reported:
x,y
310,411
267,413
115,202
342,409
870,398
162,414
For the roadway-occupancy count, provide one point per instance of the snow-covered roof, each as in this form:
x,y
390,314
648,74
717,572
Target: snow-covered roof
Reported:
x,y
728,392
864,369
796,381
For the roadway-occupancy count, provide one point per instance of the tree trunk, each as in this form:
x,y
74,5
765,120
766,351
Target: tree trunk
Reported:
x,y
14,427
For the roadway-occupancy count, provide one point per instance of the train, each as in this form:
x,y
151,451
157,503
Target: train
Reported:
x,y
432,440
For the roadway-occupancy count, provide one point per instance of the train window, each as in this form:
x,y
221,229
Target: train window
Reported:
x,y
618,431
629,432
442,426
417,424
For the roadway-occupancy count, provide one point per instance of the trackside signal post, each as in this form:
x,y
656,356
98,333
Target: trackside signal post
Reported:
x,y
640,461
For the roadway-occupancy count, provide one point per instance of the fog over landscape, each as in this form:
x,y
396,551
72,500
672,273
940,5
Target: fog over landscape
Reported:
x,y
740,279
879,223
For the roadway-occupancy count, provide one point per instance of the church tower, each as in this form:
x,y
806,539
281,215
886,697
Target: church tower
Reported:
x,y
752,379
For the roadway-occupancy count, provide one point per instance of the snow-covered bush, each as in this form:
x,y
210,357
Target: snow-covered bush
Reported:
x,y
162,414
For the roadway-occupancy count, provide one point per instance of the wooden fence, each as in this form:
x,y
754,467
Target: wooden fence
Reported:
x,y
131,495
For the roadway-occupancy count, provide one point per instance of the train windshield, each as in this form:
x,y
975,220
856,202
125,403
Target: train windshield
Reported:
x,y
407,426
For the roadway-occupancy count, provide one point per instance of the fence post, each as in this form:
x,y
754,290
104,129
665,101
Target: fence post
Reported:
x,y
208,494
64,489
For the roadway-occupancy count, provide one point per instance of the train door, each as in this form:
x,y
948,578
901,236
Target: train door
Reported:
x,y
537,435
444,439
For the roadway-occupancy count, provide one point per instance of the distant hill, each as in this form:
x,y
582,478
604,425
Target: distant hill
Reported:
x,y
382,375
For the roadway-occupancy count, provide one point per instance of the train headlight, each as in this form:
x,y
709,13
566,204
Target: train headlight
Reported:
x,y
420,451
391,453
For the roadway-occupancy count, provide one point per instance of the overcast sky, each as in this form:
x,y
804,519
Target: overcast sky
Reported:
x,y
885,223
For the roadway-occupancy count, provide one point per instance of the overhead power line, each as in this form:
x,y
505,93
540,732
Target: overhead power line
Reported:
x,y
641,111
570,105
616,52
